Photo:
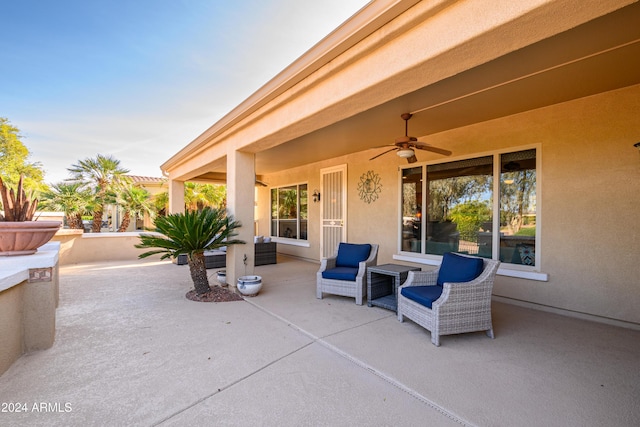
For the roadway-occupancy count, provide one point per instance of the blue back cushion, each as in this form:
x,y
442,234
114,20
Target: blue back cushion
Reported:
x,y
341,273
457,268
424,295
350,255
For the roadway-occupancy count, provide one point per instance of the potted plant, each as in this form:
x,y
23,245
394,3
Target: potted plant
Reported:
x,y
192,233
19,234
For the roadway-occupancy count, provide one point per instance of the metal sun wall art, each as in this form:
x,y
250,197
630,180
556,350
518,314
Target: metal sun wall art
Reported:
x,y
369,187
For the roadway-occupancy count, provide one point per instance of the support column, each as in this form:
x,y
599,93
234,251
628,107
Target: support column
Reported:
x,y
176,196
241,178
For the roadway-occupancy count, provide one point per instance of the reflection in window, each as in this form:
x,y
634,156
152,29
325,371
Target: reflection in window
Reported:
x,y
412,209
459,212
518,207
289,212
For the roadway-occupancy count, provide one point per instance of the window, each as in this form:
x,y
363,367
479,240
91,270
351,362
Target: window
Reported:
x,y
450,207
412,209
289,212
518,207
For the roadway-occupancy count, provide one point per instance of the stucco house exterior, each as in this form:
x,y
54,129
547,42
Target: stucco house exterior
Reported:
x,y
538,103
155,186
115,213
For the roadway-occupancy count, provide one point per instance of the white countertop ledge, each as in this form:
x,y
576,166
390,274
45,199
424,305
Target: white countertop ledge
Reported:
x,y
15,269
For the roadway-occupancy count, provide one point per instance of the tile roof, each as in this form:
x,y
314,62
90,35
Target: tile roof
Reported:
x,y
146,179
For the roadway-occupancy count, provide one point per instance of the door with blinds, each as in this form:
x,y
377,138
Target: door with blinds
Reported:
x,y
333,211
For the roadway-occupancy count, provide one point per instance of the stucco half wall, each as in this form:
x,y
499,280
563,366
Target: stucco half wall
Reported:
x,y
77,247
29,296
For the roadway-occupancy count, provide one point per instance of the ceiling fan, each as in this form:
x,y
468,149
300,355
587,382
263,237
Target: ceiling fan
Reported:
x,y
405,145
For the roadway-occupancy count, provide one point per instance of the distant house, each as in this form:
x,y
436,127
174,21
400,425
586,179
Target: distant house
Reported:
x,y
154,186
538,103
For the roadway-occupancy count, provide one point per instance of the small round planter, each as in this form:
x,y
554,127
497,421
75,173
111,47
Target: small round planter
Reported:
x,y
221,276
24,238
249,285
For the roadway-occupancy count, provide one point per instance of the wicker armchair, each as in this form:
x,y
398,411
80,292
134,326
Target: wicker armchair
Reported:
x,y
345,273
455,307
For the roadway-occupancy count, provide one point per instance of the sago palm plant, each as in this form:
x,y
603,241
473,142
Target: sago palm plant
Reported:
x,y
192,233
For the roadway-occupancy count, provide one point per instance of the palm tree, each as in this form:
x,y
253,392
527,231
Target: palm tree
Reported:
x,y
104,174
161,203
192,233
197,196
133,200
71,199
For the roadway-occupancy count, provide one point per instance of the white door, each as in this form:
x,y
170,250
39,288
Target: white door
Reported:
x,y
333,208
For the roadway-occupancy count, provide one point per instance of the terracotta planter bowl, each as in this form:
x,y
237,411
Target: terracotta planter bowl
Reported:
x,y
24,238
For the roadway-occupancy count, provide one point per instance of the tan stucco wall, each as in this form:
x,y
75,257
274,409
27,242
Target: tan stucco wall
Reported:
x,y
412,51
27,314
11,326
590,202
589,187
362,219
39,316
309,175
77,247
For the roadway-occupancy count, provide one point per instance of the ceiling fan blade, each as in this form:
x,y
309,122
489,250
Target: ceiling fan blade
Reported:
x,y
406,140
412,159
423,146
384,152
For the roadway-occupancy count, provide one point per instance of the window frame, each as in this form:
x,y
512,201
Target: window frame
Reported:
x,y
298,218
508,269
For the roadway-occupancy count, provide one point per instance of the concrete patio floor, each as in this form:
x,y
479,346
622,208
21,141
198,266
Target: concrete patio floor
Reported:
x,y
130,349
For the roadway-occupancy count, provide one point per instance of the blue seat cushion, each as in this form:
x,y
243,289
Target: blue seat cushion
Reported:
x,y
457,268
350,254
341,273
424,295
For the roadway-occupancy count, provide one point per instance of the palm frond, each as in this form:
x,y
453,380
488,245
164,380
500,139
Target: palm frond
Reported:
x,y
191,232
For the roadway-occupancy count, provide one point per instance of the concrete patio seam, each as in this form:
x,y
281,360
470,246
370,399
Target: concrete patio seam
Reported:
x,y
357,326
233,383
392,381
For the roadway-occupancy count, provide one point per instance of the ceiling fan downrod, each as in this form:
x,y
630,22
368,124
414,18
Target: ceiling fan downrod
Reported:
x,y
406,117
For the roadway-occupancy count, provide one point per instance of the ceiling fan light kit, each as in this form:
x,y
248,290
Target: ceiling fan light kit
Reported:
x,y
405,153
404,146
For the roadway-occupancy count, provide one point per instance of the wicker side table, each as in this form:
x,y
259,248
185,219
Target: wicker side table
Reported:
x,y
383,282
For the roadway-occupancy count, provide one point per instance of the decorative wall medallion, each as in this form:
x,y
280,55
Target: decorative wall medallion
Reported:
x,y
369,186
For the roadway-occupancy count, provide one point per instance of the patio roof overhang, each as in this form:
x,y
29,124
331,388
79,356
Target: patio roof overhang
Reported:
x,y
523,59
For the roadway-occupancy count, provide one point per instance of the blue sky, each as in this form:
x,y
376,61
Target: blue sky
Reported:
x,y
140,79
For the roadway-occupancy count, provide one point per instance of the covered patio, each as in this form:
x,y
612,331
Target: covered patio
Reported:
x,y
556,82
130,349
545,89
